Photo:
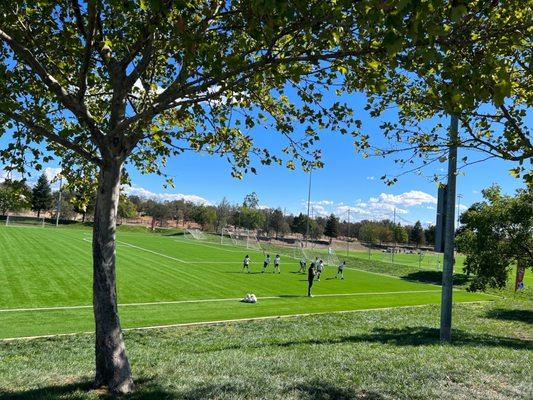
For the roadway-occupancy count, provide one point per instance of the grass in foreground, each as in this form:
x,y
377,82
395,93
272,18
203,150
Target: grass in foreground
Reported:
x,y
385,354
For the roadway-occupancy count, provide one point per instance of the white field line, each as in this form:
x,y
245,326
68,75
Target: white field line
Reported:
x,y
155,303
229,321
153,252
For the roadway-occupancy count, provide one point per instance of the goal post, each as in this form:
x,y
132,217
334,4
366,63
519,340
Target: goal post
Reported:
x,y
19,220
195,234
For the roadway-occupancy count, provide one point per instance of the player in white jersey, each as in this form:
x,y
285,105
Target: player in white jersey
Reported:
x,y
319,269
266,263
340,270
246,264
277,259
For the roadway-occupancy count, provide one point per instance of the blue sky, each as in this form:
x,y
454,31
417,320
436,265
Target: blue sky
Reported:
x,y
347,182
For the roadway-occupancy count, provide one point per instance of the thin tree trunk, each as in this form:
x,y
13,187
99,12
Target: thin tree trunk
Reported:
x,y
112,365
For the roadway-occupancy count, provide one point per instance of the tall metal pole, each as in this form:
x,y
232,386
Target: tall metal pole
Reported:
x,y
449,233
58,209
459,197
348,238
308,207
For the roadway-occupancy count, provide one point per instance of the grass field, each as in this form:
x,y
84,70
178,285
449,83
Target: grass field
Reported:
x,y
372,355
163,280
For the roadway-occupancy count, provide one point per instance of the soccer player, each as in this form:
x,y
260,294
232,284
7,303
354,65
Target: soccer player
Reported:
x,y
266,263
340,270
303,264
319,268
246,264
276,264
310,278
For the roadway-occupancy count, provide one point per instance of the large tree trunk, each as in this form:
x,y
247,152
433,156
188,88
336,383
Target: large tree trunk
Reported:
x,y
112,365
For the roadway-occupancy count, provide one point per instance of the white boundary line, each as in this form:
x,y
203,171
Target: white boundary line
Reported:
x,y
153,252
156,303
229,321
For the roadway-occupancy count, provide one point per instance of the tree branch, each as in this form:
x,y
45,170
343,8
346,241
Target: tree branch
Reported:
x,y
39,130
69,101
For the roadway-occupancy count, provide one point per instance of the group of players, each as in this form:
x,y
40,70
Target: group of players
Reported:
x,y
313,272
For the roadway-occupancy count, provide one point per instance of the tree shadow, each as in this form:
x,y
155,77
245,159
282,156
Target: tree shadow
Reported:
x,y
321,390
407,336
213,391
511,315
147,389
435,277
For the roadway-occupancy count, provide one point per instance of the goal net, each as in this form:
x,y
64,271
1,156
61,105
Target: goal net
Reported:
x,y
327,255
17,220
195,234
245,239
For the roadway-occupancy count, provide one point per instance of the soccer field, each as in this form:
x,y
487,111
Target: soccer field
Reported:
x,y
46,283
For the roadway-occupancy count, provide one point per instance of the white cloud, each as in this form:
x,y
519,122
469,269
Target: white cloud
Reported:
x,y
376,208
51,173
407,199
461,207
370,178
147,194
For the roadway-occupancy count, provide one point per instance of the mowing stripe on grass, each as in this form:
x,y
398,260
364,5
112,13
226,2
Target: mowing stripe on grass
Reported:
x,y
6,310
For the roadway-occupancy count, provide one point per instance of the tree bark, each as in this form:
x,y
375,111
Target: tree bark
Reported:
x,y
112,365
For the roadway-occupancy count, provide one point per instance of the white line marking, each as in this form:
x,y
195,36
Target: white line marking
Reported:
x,y
153,252
222,322
155,303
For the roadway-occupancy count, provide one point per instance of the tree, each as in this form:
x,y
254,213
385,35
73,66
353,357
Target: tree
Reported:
x,y
331,229
223,213
417,234
495,235
14,196
158,211
276,221
126,208
399,234
429,233
299,224
108,83
469,59
251,200
41,199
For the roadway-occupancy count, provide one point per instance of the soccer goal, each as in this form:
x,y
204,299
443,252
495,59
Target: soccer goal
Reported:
x,y
195,234
18,220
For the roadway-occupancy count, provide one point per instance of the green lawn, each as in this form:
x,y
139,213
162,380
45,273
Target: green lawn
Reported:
x,y
164,279
377,355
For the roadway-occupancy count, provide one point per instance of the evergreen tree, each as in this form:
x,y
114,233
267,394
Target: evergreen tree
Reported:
x,y
417,234
41,195
331,229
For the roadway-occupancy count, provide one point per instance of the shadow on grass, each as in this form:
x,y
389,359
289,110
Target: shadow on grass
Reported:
x,y
435,277
511,315
407,336
146,390
319,390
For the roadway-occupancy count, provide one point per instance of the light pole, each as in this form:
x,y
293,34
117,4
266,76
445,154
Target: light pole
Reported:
x,y
58,209
449,230
308,207
459,197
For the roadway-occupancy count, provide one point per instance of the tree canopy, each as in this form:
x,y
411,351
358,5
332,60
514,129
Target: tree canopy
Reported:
x,y
496,234
41,198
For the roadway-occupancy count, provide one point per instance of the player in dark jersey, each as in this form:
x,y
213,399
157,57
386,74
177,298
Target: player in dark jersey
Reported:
x,y
310,278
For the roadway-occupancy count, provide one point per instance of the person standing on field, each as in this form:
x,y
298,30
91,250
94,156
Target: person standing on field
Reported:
x,y
303,264
340,270
277,259
319,268
266,263
311,272
246,264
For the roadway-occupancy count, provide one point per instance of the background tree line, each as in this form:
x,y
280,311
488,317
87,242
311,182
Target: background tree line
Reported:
x,y
16,196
